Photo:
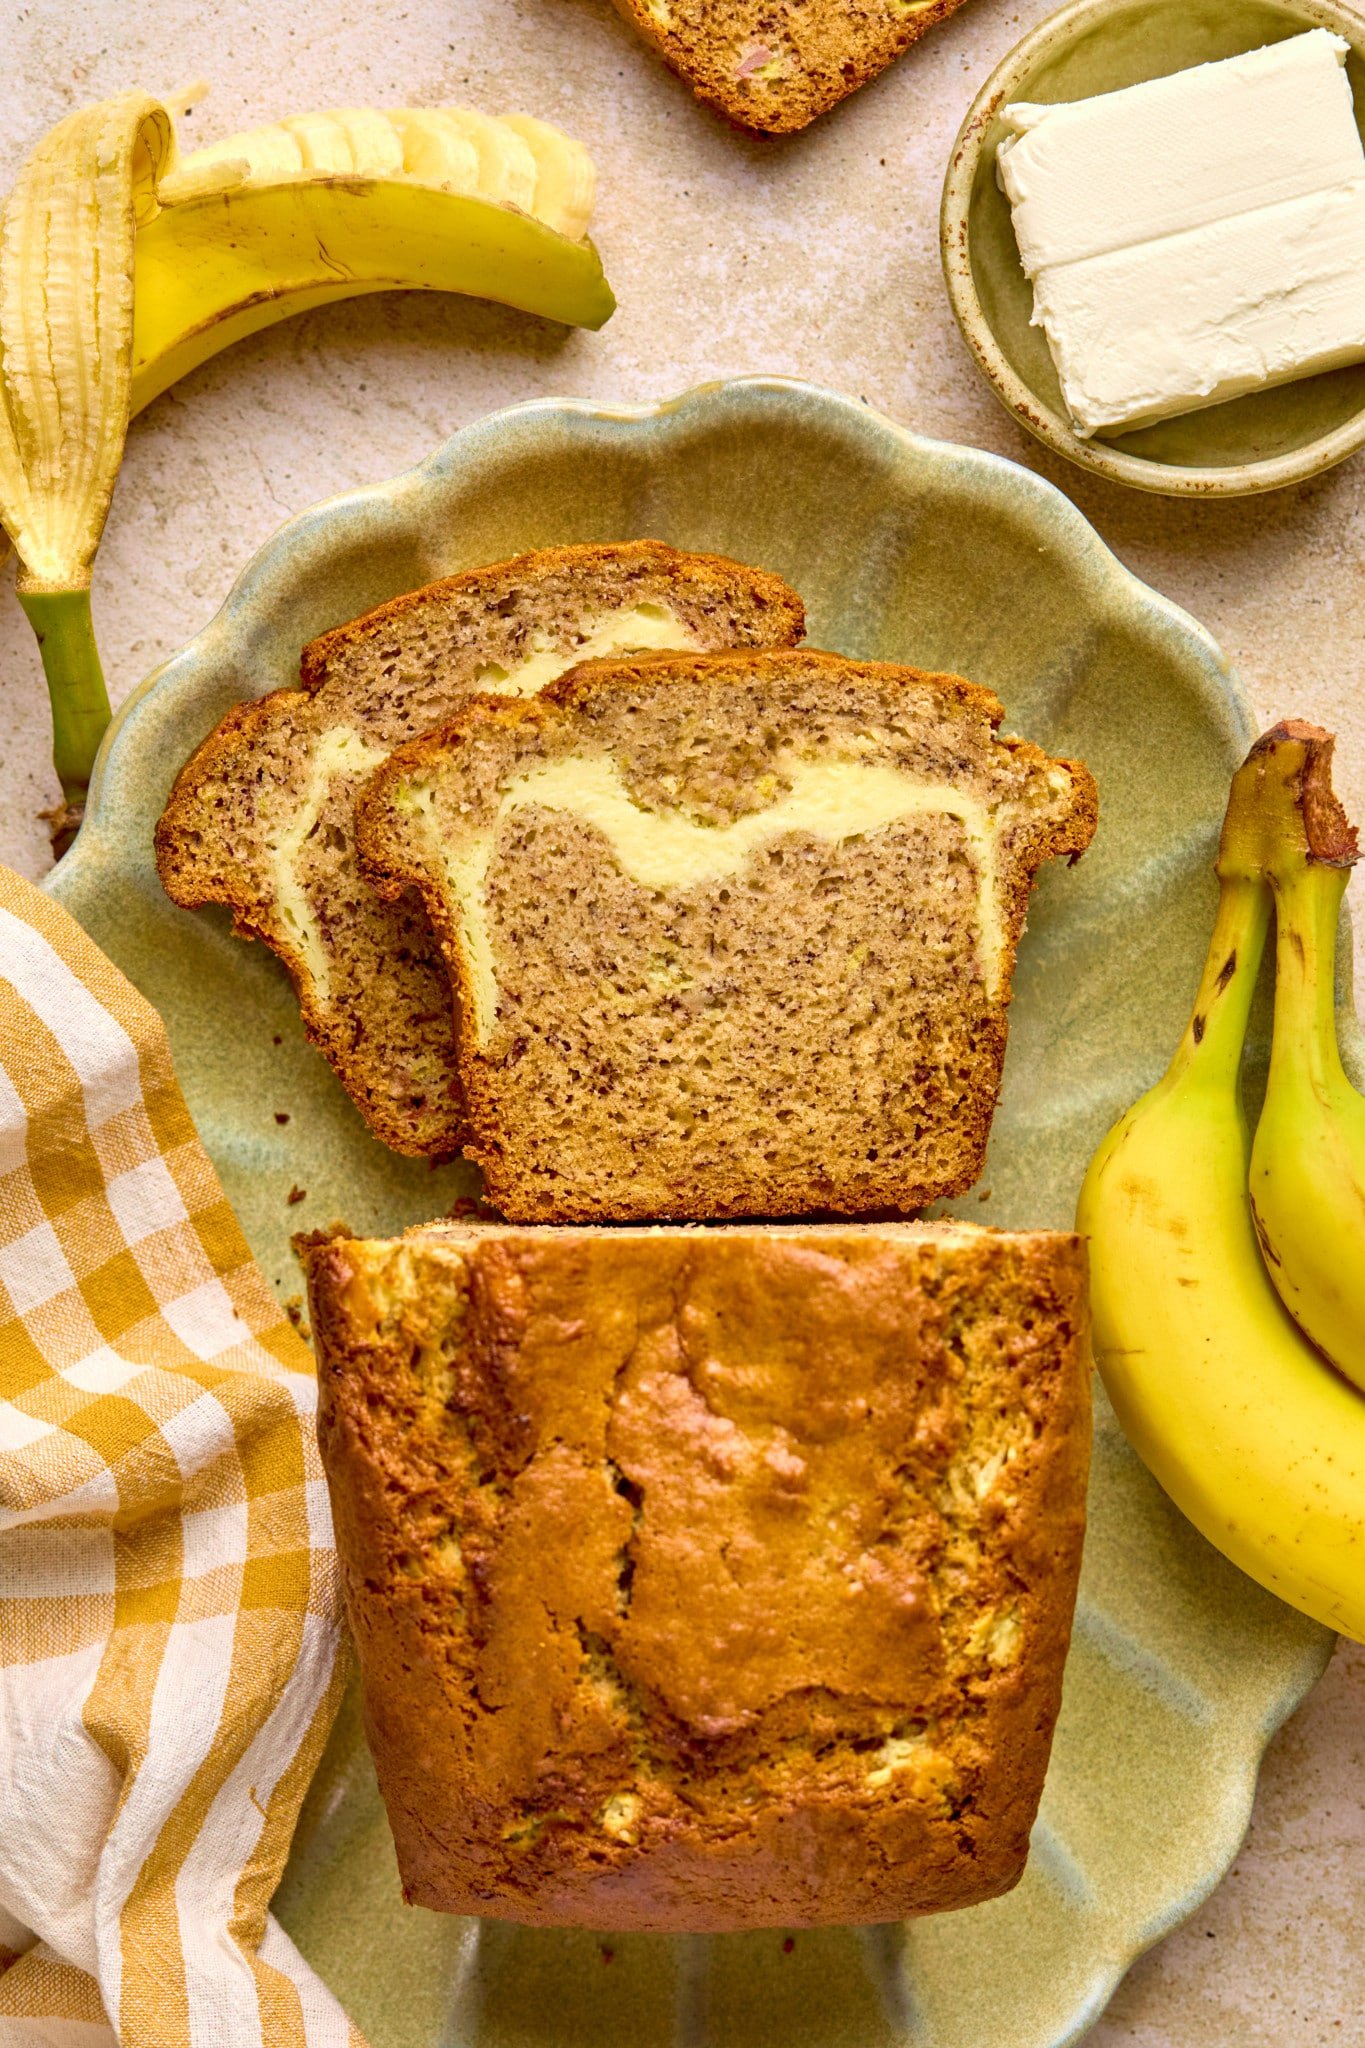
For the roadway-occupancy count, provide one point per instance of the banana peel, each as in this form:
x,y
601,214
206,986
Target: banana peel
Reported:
x,y
66,320
221,266
1241,1419
1307,1178
124,265
322,207
66,316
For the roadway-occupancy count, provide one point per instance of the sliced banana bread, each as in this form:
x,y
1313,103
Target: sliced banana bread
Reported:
x,y
262,816
730,934
773,65
706,1579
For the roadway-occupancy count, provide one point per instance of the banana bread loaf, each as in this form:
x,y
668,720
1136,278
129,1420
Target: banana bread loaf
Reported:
x,y
261,818
729,934
712,1578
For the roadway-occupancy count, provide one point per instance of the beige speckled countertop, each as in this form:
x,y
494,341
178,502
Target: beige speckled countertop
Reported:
x,y
814,257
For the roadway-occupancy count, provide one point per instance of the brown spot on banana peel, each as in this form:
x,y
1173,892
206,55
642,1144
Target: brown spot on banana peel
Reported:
x,y
1146,1198
219,317
1226,971
1197,1027
325,257
1268,1251
1330,837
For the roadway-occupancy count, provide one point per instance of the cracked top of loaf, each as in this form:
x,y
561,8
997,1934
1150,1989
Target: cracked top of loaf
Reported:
x,y
707,1578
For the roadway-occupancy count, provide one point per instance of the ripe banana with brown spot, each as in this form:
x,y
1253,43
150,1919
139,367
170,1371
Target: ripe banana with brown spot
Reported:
x,y
124,265
322,207
1249,1429
1308,1160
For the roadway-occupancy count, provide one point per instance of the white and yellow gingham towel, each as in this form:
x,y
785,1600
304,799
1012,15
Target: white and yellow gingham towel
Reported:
x,y
169,1614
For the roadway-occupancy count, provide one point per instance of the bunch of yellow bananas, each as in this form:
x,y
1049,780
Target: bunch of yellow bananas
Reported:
x,y
1228,1279
123,265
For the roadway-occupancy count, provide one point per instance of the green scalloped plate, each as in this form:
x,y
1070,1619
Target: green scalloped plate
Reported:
x,y
1180,1668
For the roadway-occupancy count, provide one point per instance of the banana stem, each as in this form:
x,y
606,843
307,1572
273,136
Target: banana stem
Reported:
x,y
1217,1028
1307,911
75,684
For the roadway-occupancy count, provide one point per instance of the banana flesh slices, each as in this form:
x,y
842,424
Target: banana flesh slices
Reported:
x,y
124,266
512,161
108,183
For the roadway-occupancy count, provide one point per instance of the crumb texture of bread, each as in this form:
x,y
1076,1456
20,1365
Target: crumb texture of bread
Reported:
x,y
262,817
730,935
707,1579
773,65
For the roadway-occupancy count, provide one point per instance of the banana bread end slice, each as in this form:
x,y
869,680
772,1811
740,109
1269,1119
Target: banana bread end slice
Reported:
x,y
772,66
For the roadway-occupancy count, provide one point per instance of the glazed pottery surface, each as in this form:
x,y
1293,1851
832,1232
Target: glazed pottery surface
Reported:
x,y
905,550
1256,443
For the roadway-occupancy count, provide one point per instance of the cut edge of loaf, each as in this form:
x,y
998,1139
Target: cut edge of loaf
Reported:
x,y
192,884
512,1186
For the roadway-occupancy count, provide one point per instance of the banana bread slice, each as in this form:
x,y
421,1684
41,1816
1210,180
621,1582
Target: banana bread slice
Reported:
x,y
730,934
261,817
773,65
706,1578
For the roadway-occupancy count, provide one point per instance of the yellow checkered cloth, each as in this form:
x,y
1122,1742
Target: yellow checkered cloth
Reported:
x,y
169,1601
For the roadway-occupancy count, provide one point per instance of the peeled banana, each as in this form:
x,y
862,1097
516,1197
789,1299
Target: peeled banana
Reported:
x,y
1307,1181
1248,1428
325,206
123,265
66,322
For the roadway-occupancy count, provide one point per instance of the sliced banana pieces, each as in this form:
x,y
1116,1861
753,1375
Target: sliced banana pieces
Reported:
x,y
513,161
124,266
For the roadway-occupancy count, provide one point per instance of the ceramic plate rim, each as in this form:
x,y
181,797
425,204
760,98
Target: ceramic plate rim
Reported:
x,y
277,562
1044,422
271,560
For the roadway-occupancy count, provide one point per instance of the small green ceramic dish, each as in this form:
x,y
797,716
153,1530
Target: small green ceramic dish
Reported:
x,y
1180,1668
1256,443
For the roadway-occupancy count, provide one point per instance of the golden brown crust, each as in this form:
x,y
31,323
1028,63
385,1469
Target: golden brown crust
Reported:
x,y
192,884
706,1579
320,655
199,863
514,1182
824,50
590,678
173,834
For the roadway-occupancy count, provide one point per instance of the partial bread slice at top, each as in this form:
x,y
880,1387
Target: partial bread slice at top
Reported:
x,y
731,934
262,816
773,65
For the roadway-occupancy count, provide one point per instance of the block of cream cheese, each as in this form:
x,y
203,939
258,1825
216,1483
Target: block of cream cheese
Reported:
x,y
1195,237
1090,175
1188,321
